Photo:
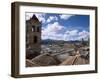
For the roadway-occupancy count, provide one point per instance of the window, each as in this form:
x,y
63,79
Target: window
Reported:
x,y
33,28
38,29
35,39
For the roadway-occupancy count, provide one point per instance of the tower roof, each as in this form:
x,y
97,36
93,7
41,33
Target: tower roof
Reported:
x,y
34,17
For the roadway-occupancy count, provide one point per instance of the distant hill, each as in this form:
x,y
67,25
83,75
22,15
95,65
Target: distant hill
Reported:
x,y
50,41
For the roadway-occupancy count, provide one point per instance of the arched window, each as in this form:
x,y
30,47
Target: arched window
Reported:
x,y
35,39
38,29
33,28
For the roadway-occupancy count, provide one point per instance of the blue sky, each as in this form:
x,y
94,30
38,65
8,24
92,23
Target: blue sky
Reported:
x,y
63,26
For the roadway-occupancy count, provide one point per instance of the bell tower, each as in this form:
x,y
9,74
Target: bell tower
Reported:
x,y
33,37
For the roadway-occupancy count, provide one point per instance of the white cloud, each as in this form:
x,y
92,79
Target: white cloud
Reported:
x,y
70,35
55,31
52,18
76,35
66,17
52,31
84,34
71,32
28,15
40,16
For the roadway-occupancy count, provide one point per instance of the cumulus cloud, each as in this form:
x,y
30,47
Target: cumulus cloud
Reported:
x,y
40,16
76,35
52,31
65,17
28,15
52,18
83,34
71,32
56,31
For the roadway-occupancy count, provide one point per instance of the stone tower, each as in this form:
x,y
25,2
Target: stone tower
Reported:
x,y
33,37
